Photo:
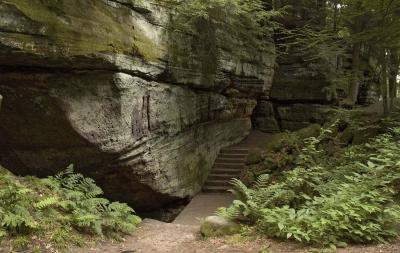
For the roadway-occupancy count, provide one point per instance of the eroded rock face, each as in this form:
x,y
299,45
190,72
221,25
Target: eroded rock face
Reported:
x,y
298,97
84,82
302,87
265,118
297,116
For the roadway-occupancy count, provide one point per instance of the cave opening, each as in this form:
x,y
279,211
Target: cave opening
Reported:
x,y
166,213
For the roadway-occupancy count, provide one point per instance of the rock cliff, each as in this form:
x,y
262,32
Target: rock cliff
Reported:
x,y
302,92
88,82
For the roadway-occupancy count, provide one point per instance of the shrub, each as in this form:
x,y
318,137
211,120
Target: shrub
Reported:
x,y
59,210
254,157
326,200
278,154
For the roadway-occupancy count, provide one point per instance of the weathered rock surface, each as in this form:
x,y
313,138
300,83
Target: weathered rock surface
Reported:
x,y
296,98
297,116
264,117
85,82
302,80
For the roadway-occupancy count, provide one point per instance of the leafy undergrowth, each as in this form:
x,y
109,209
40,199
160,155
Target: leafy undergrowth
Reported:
x,y
277,155
283,150
328,200
54,213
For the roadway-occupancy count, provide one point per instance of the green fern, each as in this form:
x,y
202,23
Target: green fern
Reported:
x,y
323,201
60,209
47,202
240,190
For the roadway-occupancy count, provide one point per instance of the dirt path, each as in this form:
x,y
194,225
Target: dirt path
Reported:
x,y
182,236
201,206
158,237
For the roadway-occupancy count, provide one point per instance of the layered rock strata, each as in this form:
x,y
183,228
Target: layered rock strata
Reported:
x,y
88,82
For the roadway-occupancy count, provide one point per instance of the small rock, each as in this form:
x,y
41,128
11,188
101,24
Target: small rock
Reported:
x,y
218,226
341,245
223,247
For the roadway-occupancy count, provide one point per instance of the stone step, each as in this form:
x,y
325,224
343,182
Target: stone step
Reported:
x,y
210,182
219,189
227,177
230,160
225,171
230,165
233,156
234,151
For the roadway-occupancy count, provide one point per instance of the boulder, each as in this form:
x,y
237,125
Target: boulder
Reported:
x,y
267,125
264,117
129,134
255,156
301,84
300,78
364,134
310,131
88,82
264,109
297,90
218,226
297,116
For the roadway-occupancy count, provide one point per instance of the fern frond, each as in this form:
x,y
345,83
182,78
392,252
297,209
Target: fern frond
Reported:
x,y
262,181
3,233
229,213
47,202
240,190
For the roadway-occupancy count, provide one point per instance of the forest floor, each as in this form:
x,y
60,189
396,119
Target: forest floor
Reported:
x,y
201,206
158,237
183,236
378,107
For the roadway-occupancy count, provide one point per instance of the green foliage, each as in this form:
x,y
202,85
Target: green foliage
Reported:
x,y
59,210
325,201
15,208
371,28
278,154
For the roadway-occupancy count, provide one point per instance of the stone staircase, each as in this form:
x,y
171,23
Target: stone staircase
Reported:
x,y
229,164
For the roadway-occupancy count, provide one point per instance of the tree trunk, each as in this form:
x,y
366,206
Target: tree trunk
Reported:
x,y
384,85
335,15
355,81
393,72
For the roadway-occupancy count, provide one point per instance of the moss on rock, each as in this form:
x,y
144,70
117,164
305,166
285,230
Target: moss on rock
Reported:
x,y
255,156
214,226
310,131
82,28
